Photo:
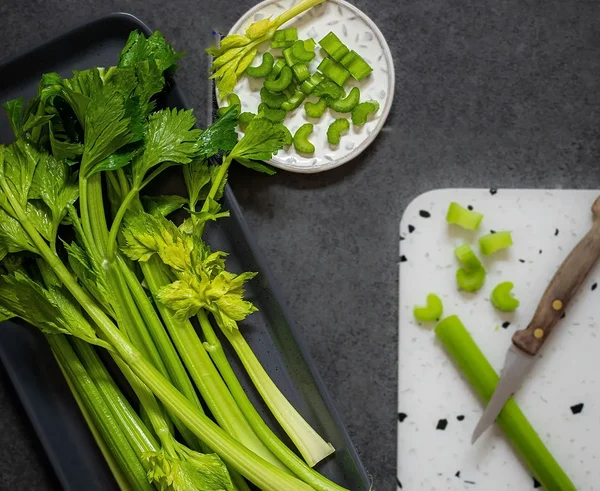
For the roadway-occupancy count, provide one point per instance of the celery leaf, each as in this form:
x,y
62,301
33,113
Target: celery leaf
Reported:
x,y
261,140
170,137
163,205
20,162
154,48
221,135
13,109
13,237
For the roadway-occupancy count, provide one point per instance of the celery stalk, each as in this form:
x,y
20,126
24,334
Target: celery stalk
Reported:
x,y
281,451
483,378
251,466
120,478
111,431
210,384
310,444
140,439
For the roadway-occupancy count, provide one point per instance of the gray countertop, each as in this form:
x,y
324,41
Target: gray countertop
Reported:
x,y
488,93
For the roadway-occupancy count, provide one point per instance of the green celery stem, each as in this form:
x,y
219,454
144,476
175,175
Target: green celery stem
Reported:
x,y
310,444
101,414
279,449
251,466
117,472
215,393
114,228
295,11
483,378
174,369
135,430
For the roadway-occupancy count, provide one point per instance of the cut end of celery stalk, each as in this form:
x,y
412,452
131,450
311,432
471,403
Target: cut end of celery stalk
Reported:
x,y
479,373
309,443
463,217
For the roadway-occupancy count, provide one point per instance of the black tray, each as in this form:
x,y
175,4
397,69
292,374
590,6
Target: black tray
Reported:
x,y
30,364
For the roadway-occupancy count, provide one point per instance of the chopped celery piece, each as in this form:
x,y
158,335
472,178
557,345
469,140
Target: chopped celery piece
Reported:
x,y
494,242
290,58
432,311
272,99
274,115
330,89
345,105
477,370
502,299
463,217
246,117
335,130
293,102
292,88
316,109
333,46
356,65
281,82
301,52
301,143
471,276
308,86
470,281
277,67
301,72
335,72
309,44
288,136
244,120
284,38
467,258
232,100
262,70
361,112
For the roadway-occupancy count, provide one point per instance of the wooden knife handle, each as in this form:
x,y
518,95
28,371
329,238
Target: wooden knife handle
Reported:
x,y
565,283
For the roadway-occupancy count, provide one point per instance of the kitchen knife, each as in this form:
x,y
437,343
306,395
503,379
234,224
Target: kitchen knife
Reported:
x,y
526,343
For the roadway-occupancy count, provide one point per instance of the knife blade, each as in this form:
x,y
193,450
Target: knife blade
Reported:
x,y
526,343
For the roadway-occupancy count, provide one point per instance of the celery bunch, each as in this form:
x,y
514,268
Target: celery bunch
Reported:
x,y
103,272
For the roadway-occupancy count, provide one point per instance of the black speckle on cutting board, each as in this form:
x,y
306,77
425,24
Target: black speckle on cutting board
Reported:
x,y
425,214
492,231
577,408
470,208
457,474
594,286
555,232
399,483
540,251
411,229
564,314
460,417
403,258
536,483
401,417
493,191
441,424
469,482
505,324
402,237
521,260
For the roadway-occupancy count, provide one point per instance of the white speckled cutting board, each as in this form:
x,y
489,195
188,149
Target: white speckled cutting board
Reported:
x,y
437,411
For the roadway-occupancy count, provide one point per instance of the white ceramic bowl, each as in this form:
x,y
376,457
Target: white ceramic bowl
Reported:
x,y
359,33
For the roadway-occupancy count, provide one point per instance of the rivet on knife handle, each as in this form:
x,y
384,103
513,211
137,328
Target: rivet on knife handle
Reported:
x,y
565,283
